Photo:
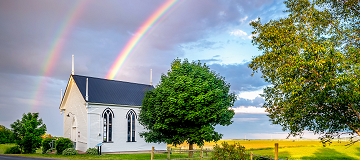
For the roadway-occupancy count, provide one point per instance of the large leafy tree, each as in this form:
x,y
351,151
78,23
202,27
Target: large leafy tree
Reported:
x,y
188,103
312,59
27,132
5,135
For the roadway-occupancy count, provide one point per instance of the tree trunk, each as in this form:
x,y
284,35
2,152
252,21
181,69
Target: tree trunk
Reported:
x,y
191,152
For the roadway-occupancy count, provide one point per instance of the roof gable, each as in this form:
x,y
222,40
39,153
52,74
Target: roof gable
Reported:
x,y
111,91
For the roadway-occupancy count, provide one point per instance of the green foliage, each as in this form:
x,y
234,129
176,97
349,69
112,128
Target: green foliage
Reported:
x,y
92,151
27,132
61,144
229,151
188,103
13,150
49,151
311,58
70,151
46,144
5,135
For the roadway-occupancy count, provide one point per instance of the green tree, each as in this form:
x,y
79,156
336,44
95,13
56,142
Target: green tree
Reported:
x,y
28,131
5,135
311,58
188,103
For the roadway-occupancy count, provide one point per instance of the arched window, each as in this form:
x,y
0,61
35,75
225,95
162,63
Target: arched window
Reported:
x,y
131,116
108,116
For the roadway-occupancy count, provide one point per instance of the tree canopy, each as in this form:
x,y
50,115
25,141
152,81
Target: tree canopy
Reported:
x,y
27,132
5,135
186,105
311,58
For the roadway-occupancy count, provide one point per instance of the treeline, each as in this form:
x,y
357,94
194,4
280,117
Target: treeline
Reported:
x,y
6,135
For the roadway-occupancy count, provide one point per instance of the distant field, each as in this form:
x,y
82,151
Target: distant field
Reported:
x,y
303,149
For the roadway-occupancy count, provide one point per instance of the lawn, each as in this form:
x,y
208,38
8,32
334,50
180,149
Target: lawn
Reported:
x,y
292,149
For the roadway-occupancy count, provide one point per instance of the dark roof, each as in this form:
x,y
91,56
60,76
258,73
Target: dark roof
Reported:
x,y
111,91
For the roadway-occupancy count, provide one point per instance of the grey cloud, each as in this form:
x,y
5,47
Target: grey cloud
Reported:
x,y
209,60
239,77
257,102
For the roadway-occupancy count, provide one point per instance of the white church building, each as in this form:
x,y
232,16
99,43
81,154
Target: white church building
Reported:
x,y
104,111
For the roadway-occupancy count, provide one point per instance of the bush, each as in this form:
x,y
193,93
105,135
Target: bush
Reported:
x,y
69,151
234,151
61,144
46,144
13,150
49,151
92,151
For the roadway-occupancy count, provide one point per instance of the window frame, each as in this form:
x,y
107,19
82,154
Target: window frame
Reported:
x,y
107,120
131,117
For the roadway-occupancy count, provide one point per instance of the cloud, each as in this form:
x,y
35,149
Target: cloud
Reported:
x,y
243,19
239,77
245,119
209,60
238,33
203,45
250,110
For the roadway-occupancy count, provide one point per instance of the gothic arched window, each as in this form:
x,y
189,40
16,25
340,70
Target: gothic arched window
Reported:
x,y
131,117
108,116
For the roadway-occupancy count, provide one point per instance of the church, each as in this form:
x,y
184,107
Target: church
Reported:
x,y
97,110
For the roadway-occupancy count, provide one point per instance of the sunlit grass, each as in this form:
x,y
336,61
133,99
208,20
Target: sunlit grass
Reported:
x,y
287,148
3,147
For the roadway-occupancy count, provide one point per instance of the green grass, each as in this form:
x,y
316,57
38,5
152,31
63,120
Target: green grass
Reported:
x,y
3,147
318,152
304,150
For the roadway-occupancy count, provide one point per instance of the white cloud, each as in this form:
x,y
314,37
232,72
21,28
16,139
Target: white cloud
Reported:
x,y
251,35
243,19
253,20
246,119
250,109
238,32
250,94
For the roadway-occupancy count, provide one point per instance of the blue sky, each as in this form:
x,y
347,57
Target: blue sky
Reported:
x,y
216,32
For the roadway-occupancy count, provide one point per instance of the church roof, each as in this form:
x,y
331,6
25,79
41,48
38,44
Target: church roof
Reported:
x,y
111,91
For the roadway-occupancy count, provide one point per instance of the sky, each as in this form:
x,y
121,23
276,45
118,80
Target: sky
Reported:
x,y
39,37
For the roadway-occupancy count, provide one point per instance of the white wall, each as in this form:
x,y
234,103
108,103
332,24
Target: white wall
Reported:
x,y
119,130
74,105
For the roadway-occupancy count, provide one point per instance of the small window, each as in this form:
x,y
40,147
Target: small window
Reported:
x,y
131,117
107,115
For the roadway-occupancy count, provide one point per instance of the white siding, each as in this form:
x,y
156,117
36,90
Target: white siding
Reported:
x,y
119,142
74,105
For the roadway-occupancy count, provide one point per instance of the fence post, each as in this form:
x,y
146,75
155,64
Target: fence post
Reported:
x,y
206,152
276,150
152,153
168,153
251,156
201,152
180,150
270,157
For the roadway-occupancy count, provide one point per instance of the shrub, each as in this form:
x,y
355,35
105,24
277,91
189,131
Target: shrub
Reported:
x,y
49,151
69,151
226,151
92,151
13,150
46,144
61,144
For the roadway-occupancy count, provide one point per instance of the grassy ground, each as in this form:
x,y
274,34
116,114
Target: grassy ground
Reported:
x,y
3,147
293,150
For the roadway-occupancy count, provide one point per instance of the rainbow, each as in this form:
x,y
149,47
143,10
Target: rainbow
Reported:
x,y
149,23
55,50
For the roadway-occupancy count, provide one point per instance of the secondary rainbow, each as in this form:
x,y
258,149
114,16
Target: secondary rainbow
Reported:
x,y
149,23
55,50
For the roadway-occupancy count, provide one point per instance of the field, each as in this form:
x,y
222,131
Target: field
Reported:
x,y
291,149
302,149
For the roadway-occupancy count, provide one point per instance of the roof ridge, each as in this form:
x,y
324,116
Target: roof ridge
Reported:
x,y
112,80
